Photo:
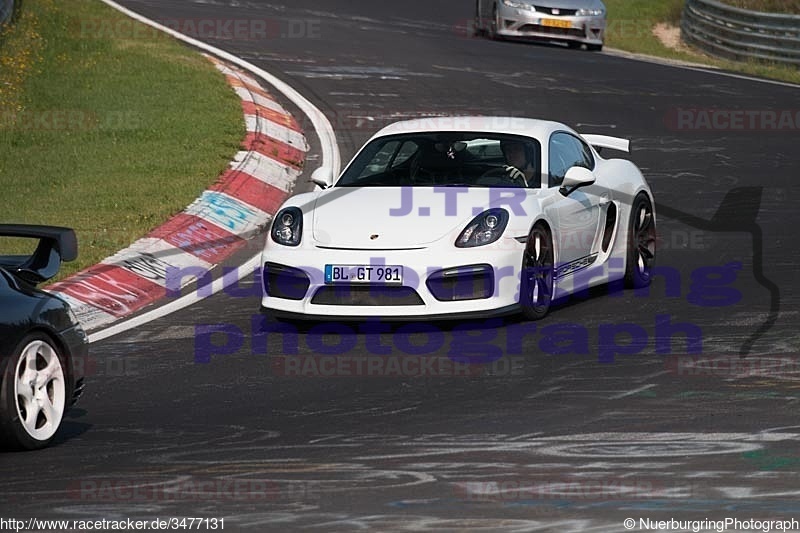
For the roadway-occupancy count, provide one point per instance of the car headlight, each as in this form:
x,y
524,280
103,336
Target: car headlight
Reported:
x,y
518,5
483,229
590,12
287,227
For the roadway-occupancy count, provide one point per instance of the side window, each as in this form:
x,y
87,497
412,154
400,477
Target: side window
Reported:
x,y
588,158
567,151
560,159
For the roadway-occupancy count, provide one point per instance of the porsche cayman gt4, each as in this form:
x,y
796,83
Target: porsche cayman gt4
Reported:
x,y
472,216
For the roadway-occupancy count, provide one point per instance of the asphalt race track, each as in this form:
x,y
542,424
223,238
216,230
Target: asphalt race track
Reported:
x,y
543,427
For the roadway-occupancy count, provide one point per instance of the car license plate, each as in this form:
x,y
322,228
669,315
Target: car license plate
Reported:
x,y
383,274
556,23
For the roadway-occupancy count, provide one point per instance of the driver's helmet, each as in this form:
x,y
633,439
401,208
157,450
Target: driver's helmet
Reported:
x,y
513,149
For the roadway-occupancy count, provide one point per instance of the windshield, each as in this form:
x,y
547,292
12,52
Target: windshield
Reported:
x,y
464,159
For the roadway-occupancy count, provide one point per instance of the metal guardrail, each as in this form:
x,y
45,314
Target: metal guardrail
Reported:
x,y
6,10
733,33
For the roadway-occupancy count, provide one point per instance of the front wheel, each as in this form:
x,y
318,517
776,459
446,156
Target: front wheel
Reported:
x,y
33,394
536,283
641,253
594,47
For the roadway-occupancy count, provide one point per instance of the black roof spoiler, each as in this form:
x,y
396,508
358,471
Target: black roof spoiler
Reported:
x,y
56,244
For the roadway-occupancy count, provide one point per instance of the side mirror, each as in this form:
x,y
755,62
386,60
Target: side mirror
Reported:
x,y
576,178
323,177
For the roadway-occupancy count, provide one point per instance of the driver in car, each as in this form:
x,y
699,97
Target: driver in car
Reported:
x,y
520,161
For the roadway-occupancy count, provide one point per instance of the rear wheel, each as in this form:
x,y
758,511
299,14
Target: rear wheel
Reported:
x,y
477,28
575,45
536,283
641,254
594,47
494,24
33,394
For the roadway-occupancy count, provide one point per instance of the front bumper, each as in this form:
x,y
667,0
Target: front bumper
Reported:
x,y
523,23
477,282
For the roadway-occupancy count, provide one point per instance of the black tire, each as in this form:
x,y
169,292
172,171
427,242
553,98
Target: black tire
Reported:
x,y
537,280
492,31
594,47
478,30
574,45
641,254
33,394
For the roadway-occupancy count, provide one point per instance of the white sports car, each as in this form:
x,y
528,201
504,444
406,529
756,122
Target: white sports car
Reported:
x,y
473,216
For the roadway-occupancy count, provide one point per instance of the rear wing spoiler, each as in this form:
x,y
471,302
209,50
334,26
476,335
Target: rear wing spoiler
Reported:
x,y
604,141
56,244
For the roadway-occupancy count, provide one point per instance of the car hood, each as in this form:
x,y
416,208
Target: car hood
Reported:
x,y
395,217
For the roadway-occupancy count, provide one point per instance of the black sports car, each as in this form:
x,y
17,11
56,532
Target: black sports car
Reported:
x,y
42,345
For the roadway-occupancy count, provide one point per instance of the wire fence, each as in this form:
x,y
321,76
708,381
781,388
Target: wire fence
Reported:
x,y
733,33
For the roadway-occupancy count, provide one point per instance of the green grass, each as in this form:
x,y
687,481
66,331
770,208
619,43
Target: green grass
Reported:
x,y
630,28
106,129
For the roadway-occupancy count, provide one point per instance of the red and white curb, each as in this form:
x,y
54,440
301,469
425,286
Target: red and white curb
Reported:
x,y
191,244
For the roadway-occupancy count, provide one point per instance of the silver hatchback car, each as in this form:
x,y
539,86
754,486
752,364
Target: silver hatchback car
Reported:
x,y
575,22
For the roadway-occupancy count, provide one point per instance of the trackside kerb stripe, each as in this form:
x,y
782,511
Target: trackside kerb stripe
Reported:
x,y
235,208
276,131
236,73
268,170
331,158
288,121
89,314
229,213
111,289
152,258
262,98
281,152
253,191
198,237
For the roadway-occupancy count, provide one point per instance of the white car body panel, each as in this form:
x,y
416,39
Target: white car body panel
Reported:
x,y
605,141
381,211
366,226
